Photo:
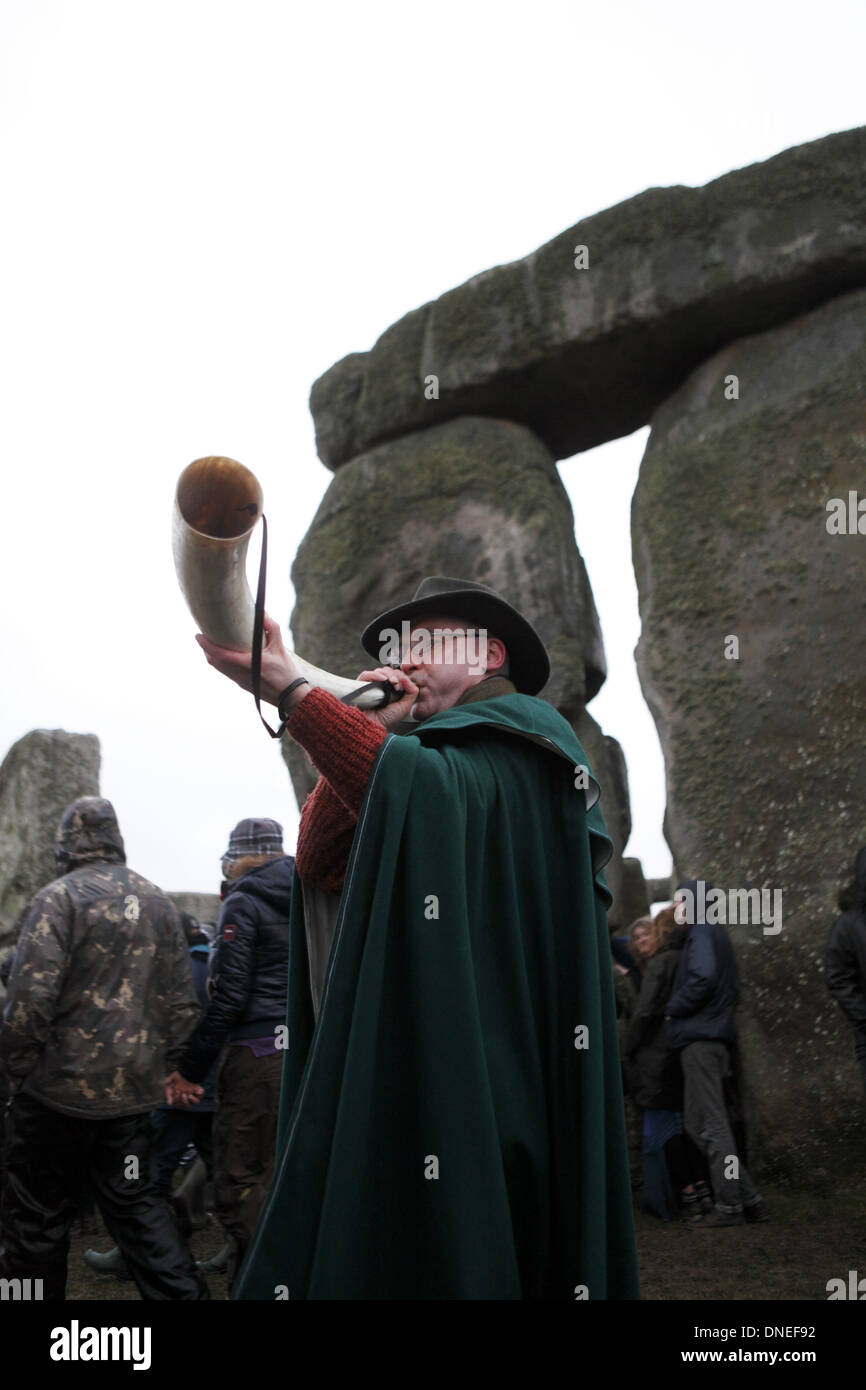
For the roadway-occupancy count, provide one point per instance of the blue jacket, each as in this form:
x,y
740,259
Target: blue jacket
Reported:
x,y
706,987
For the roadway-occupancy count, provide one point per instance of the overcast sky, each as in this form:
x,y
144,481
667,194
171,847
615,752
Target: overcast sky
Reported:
x,y
205,206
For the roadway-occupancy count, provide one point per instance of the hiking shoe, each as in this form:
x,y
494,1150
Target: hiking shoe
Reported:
x,y
112,1262
722,1218
756,1212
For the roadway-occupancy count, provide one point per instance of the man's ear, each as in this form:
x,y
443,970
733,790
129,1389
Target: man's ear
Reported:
x,y
496,654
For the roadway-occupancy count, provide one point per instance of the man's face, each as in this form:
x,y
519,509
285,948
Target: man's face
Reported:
x,y
443,667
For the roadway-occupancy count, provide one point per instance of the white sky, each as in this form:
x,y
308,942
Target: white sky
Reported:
x,y
207,204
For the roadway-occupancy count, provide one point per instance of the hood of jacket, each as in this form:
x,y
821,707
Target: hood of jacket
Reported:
x,y
88,831
271,882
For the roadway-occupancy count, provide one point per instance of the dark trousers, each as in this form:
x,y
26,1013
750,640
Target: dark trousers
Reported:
x,y
173,1132
860,1049
686,1163
244,1142
705,1115
52,1159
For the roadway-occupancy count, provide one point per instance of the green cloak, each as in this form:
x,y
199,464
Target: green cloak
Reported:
x,y
452,1124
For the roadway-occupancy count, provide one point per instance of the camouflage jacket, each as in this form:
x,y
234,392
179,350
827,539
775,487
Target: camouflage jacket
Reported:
x,y
100,999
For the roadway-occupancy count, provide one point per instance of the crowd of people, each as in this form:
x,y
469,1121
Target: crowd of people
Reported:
x,y
677,990
400,1061
129,1041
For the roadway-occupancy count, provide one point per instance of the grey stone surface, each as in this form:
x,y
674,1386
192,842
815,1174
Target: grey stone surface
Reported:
x,y
204,907
583,356
40,775
301,771
608,764
634,901
659,890
765,770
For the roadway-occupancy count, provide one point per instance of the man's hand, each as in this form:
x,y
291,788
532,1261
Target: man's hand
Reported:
x,y
181,1092
278,664
392,714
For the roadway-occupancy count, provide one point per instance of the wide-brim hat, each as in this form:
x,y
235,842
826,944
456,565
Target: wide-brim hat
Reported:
x,y
529,664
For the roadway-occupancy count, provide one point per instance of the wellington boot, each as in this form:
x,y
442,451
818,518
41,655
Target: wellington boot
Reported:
x,y
189,1197
112,1262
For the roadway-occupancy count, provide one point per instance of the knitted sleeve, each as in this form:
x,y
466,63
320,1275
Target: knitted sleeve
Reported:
x,y
324,839
343,744
341,741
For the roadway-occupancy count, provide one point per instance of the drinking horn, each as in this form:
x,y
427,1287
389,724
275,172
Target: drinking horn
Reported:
x,y
217,506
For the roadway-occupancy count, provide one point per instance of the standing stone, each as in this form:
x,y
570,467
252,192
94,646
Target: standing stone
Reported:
x,y
39,777
659,890
763,749
204,907
608,764
634,899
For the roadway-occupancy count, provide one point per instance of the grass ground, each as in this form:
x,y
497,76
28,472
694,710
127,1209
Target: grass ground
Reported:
x,y
808,1240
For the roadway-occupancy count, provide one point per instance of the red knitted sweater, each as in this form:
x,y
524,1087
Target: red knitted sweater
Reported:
x,y
343,744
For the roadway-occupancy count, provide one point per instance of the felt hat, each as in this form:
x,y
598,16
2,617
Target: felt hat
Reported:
x,y
479,606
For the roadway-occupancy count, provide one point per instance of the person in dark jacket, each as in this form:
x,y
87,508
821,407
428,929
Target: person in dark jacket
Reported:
x,y
846,959
700,1025
246,1021
672,1166
100,1004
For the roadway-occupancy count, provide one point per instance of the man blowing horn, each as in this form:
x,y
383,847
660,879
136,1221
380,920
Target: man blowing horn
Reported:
x,y
451,1123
